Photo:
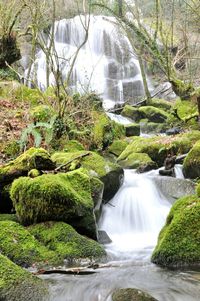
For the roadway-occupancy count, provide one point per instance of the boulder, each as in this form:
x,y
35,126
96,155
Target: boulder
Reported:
x,y
131,294
117,147
103,237
161,104
140,161
62,239
174,188
16,283
132,112
34,158
153,114
60,197
179,241
109,173
22,248
191,164
132,129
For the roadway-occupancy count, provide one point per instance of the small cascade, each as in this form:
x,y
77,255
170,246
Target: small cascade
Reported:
x,y
134,217
105,64
178,168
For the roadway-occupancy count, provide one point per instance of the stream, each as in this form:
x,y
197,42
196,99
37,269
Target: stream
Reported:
x,y
132,219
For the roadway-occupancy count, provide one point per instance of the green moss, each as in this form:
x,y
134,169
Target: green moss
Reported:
x,y
72,146
8,217
153,114
33,173
109,173
17,284
34,158
138,160
158,147
21,247
185,108
41,113
117,147
161,104
11,149
61,197
65,241
131,294
131,112
25,94
179,240
191,164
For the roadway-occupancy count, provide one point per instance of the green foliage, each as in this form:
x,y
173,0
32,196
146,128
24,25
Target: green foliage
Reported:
x,y
12,149
179,240
41,113
8,74
65,241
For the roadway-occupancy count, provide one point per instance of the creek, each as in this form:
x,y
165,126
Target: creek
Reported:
x,y
132,219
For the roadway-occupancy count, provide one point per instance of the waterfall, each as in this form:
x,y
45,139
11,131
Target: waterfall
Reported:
x,y
134,217
179,171
105,64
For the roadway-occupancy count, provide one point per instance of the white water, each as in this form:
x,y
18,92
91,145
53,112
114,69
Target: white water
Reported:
x,y
105,64
134,217
179,171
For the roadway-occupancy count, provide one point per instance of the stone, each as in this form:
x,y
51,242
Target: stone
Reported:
x,y
131,294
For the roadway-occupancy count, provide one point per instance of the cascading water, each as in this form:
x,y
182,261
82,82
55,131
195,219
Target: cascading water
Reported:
x,y
134,217
105,64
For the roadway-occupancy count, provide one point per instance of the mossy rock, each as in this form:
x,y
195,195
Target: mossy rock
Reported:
x,y
105,131
34,158
132,112
185,108
109,173
61,197
132,130
117,147
153,114
22,248
131,294
97,189
158,147
8,217
140,161
160,104
16,283
41,113
152,128
191,164
179,240
65,241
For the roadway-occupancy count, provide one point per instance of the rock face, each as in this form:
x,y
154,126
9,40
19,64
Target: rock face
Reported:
x,y
174,188
62,239
61,197
17,284
109,173
191,164
179,240
131,294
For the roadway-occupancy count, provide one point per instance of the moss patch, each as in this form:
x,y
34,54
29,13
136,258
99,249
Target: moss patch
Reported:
x,y
153,114
161,104
17,284
21,247
191,164
179,240
61,197
138,160
117,147
65,241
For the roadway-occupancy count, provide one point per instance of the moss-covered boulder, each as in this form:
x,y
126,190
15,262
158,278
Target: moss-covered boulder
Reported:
x,y
72,146
109,173
140,161
132,130
132,112
179,240
153,114
117,147
131,294
191,164
34,158
61,197
161,104
18,284
158,147
65,241
22,248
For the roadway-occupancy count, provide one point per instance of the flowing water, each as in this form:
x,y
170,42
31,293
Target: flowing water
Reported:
x,y
105,64
132,219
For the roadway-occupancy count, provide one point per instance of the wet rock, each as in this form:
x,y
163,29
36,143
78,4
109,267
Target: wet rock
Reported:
x,y
191,164
131,294
173,131
132,130
103,237
180,159
174,188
